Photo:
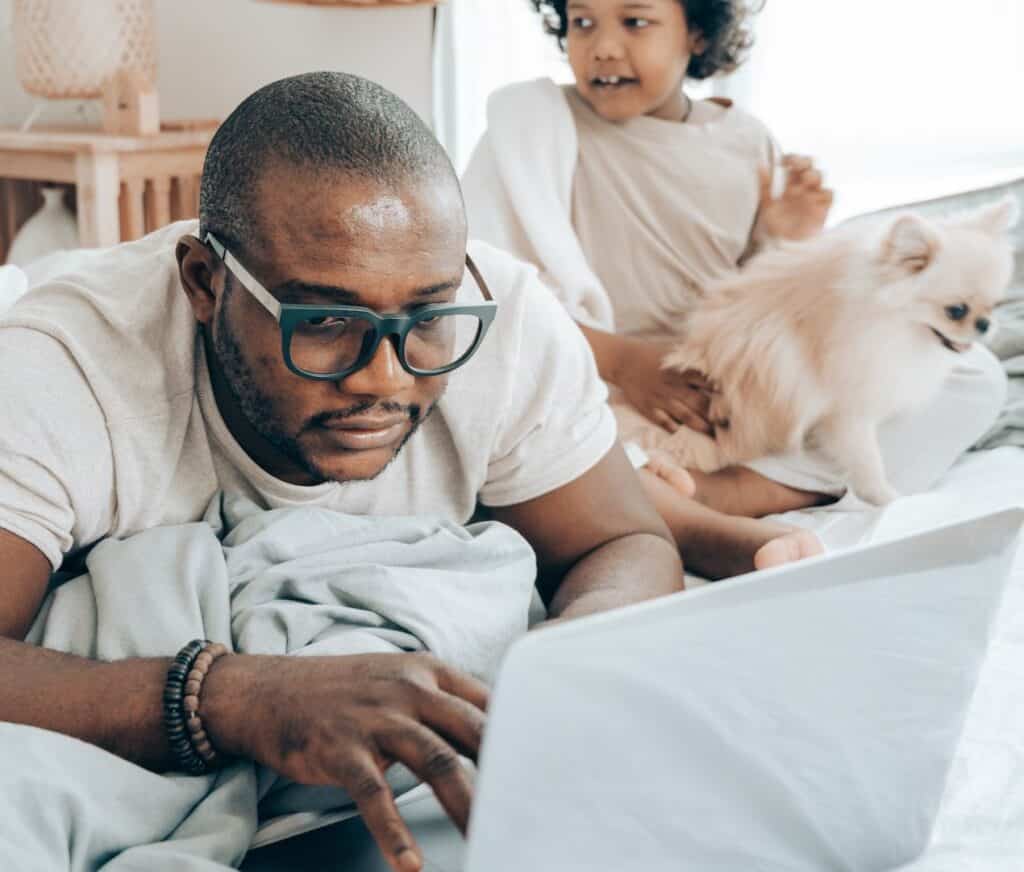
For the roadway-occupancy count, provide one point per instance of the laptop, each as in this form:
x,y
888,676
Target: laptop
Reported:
x,y
801,718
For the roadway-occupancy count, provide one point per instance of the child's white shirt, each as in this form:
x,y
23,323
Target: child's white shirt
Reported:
x,y
625,221
663,208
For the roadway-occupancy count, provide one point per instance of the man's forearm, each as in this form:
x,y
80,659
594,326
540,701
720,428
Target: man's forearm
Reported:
x,y
628,570
114,705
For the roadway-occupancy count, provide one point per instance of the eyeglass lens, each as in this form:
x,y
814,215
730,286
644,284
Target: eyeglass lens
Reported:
x,y
328,345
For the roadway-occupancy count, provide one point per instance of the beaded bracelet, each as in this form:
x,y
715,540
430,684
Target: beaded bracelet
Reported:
x,y
191,746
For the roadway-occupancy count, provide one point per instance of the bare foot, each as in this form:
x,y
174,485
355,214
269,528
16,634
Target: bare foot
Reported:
x,y
716,545
789,547
671,473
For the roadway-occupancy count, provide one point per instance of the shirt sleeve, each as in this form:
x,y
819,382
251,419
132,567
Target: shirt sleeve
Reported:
x,y
56,464
769,154
556,423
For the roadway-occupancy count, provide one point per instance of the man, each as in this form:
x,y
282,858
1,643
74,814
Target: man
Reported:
x,y
160,372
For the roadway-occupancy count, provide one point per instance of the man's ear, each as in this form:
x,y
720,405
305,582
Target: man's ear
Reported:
x,y
198,267
698,45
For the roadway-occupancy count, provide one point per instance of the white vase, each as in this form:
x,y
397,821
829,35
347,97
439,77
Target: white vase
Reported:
x,y
52,228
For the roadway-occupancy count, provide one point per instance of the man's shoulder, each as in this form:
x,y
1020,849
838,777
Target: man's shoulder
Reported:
x,y
508,277
121,316
504,273
119,273
525,303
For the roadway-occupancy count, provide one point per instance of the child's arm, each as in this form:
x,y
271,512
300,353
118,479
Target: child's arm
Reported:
x,y
800,210
668,398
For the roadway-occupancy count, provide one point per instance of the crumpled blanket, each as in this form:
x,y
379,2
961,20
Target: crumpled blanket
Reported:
x,y
286,581
1008,344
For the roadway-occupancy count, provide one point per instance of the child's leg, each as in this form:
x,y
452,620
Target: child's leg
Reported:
x,y
741,490
735,490
715,545
917,449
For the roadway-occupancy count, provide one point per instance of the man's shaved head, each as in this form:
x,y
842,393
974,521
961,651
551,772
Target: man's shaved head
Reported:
x,y
327,122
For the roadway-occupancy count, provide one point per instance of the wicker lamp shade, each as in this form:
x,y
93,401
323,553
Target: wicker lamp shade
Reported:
x,y
72,48
363,3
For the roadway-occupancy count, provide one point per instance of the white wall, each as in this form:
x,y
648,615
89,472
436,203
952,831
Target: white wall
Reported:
x,y
215,52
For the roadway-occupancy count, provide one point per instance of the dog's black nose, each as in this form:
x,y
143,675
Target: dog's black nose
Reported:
x,y
983,324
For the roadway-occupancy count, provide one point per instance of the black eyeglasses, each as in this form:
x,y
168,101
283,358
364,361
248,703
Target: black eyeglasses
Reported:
x,y
329,343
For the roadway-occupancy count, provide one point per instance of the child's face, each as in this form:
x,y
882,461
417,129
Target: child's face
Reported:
x,y
629,57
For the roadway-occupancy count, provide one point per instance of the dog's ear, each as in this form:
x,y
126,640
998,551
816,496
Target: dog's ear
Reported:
x,y
910,243
996,218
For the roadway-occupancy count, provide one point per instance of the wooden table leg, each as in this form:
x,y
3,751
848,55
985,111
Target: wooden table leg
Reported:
x,y
96,178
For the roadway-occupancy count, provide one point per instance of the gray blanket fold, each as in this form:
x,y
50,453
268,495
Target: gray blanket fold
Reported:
x,y
288,581
1008,344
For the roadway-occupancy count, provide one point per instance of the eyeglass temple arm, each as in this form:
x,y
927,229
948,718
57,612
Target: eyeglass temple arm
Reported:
x,y
486,291
268,299
251,284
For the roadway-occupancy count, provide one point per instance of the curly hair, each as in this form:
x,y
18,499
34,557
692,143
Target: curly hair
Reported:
x,y
722,23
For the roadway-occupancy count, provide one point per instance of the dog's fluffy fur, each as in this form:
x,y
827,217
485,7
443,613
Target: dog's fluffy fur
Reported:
x,y
814,344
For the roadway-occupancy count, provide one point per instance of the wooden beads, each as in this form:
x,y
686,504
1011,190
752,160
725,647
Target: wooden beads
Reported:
x,y
189,742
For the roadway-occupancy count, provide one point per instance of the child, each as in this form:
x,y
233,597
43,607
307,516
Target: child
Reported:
x,y
631,196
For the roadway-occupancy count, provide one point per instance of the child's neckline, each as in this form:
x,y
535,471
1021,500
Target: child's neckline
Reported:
x,y
649,122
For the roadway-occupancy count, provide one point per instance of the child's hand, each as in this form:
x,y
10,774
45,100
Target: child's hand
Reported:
x,y
800,211
669,398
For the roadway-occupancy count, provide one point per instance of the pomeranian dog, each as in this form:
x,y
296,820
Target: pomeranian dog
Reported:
x,y
815,343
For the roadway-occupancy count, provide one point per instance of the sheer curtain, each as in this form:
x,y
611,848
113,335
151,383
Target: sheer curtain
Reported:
x,y
897,99
482,45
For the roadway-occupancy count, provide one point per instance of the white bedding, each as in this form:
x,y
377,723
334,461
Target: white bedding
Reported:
x,y
981,824
980,482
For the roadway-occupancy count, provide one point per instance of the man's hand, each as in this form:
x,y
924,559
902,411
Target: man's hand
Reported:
x,y
669,398
343,721
800,211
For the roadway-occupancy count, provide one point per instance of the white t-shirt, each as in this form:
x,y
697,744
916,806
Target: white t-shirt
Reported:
x,y
108,425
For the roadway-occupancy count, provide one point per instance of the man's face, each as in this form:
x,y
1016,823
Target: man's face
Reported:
x,y
336,239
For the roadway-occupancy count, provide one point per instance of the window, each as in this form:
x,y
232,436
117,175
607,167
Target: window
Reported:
x,y
898,99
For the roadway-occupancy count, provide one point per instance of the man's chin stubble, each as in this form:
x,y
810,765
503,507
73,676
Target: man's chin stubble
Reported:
x,y
318,472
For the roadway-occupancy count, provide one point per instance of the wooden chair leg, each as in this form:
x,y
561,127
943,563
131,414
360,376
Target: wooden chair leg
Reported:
x,y
135,215
158,203
96,178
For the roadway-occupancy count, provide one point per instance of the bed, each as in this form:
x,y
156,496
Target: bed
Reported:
x,y
981,825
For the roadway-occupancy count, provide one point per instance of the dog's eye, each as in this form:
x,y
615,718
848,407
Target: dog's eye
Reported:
x,y
958,312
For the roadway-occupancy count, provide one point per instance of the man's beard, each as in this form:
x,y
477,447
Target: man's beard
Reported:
x,y
258,409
